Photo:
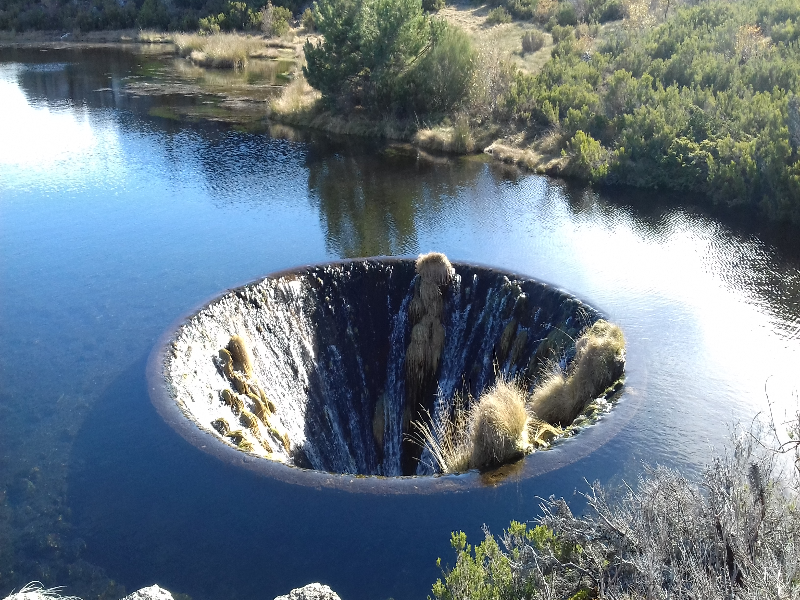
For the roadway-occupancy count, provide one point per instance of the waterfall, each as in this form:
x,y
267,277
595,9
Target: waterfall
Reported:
x,y
328,348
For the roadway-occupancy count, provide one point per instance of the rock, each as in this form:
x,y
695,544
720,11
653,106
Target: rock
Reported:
x,y
35,591
313,591
150,593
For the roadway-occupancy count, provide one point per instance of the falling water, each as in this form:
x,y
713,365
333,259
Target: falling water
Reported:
x,y
329,343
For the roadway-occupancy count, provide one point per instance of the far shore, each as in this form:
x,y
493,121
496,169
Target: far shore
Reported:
x,y
301,109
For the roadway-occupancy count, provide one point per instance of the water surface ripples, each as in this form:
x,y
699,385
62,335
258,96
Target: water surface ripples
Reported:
x,y
113,223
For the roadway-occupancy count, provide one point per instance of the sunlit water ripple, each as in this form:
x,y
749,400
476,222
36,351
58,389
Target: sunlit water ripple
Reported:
x,y
114,223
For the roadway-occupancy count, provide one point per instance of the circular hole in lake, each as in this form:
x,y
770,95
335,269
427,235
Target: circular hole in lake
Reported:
x,y
367,374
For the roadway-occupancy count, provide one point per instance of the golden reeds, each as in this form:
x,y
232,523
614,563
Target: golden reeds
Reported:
x,y
504,423
222,50
599,361
500,426
240,355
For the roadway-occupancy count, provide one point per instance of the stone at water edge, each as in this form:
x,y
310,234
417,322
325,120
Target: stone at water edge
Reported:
x,y
313,591
35,592
150,593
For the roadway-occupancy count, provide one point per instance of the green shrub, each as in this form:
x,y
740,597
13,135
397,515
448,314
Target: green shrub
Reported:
x,y
566,15
274,20
700,102
153,15
532,41
441,80
307,20
589,159
521,9
498,16
561,33
612,10
388,56
239,17
432,5
734,533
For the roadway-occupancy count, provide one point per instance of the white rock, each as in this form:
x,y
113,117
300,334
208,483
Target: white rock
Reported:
x,y
150,593
35,591
313,591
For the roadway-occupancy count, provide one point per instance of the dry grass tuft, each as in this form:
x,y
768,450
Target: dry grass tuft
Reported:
x,y
446,438
546,158
499,426
457,138
504,423
478,434
427,333
296,98
435,267
241,355
598,363
222,50
148,36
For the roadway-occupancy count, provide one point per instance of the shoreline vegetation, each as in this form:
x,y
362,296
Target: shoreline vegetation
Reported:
x,y
682,95
733,533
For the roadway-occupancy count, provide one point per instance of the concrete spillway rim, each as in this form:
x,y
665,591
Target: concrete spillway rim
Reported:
x,y
566,452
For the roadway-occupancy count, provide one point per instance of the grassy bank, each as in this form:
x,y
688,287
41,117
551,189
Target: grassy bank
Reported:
x,y
679,97
669,95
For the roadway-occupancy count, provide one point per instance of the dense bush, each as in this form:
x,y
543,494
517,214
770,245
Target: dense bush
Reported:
x,y
389,57
307,20
736,534
532,41
89,15
274,20
432,5
700,102
498,16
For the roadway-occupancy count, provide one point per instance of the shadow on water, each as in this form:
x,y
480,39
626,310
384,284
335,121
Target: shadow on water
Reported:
x,y
151,508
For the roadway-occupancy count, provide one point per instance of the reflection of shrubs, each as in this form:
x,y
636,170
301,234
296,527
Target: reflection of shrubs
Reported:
x,y
532,41
498,16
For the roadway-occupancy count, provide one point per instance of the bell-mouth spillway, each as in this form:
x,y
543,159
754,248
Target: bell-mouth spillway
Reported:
x,y
323,398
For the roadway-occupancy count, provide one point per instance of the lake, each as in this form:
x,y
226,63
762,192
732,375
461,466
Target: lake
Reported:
x,y
121,211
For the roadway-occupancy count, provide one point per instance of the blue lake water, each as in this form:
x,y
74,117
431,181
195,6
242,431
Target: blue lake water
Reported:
x,y
115,221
